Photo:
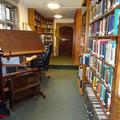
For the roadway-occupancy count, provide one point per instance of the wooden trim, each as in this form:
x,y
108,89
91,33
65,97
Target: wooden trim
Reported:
x,y
116,81
77,36
30,86
10,65
23,53
112,37
20,72
87,23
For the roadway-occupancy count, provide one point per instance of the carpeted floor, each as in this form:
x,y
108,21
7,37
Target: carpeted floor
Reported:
x,y
61,60
63,101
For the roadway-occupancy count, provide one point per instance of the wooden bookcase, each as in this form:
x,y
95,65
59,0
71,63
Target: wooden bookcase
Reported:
x,y
44,26
81,43
77,36
114,113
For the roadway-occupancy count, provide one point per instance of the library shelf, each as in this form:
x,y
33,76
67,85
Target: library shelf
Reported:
x,y
112,37
38,27
49,28
105,14
98,76
100,102
48,32
101,60
38,20
114,112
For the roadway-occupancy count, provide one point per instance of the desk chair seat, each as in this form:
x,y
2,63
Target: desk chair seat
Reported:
x,y
42,61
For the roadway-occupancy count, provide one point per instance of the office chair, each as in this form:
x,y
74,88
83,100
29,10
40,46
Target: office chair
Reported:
x,y
42,61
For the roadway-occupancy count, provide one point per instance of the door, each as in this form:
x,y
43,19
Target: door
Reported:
x,y
65,41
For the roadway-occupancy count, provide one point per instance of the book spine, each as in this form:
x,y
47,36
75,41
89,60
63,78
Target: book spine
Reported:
x,y
116,21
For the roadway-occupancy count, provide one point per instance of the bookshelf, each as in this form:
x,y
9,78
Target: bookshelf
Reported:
x,y
103,73
44,26
83,46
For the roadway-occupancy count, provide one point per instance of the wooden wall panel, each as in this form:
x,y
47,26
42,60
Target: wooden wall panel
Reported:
x,y
77,36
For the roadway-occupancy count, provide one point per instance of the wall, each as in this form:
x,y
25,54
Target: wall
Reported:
x,y
60,23
65,20
13,2
23,16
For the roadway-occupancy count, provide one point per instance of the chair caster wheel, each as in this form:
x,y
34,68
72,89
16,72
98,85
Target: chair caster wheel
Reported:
x,y
42,94
48,76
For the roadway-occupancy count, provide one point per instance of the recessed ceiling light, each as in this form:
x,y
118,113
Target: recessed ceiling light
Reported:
x,y
53,5
58,16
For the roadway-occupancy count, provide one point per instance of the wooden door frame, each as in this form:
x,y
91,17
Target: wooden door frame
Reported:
x,y
58,25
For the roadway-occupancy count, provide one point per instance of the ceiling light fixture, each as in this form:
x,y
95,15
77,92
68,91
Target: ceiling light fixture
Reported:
x,y
53,5
58,16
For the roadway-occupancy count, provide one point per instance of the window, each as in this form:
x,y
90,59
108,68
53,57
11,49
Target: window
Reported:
x,y
8,13
0,11
9,27
1,26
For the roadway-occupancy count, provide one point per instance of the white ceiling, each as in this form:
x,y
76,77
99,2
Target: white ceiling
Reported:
x,y
68,7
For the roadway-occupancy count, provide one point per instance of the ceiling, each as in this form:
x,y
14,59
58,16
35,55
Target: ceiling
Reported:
x,y
68,7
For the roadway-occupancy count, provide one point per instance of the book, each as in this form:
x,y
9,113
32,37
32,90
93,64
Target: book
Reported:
x,y
84,59
104,48
106,26
116,21
100,90
101,6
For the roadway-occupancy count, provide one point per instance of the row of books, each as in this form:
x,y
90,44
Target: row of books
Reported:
x,y
38,24
84,59
49,30
48,26
104,72
99,7
48,38
101,91
104,49
106,26
94,110
48,21
38,18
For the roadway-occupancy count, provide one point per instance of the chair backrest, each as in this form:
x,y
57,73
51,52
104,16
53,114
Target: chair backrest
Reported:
x,y
47,55
44,60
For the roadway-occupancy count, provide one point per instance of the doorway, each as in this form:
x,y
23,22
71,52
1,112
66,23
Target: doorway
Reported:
x,y
65,41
